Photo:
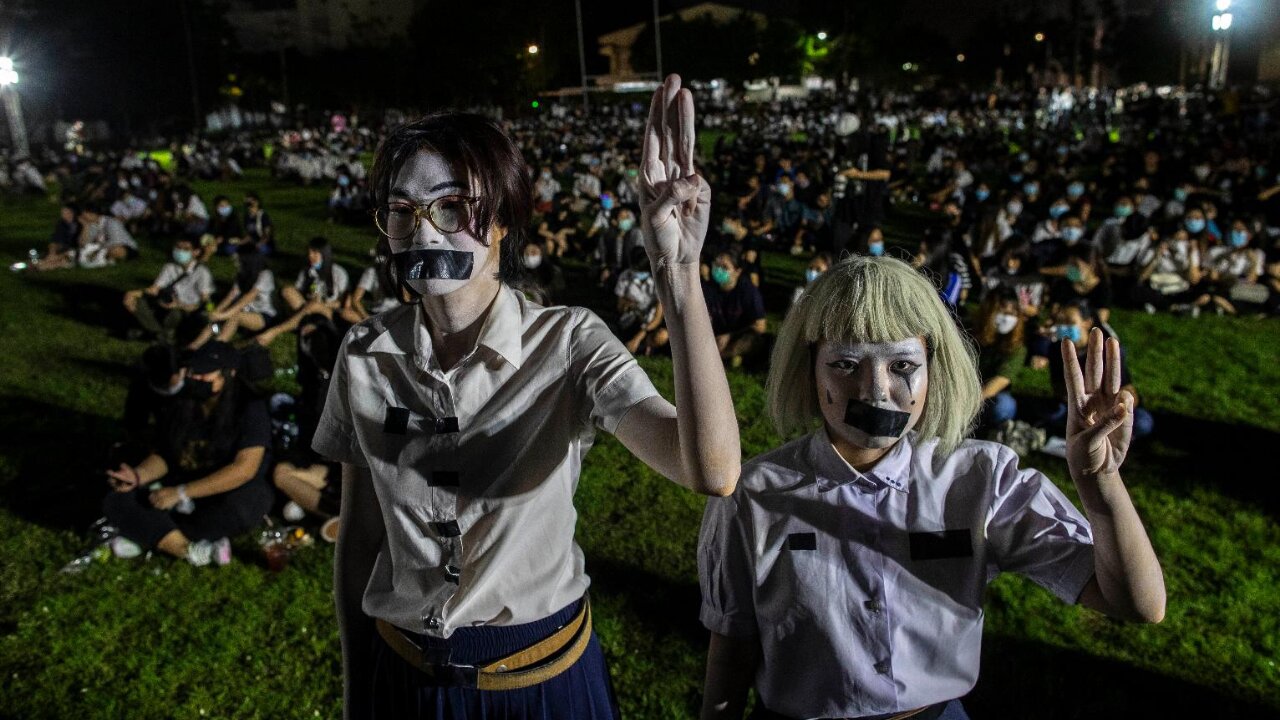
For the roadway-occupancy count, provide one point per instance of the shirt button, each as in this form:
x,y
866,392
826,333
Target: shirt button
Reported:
x,y
432,622
873,606
882,667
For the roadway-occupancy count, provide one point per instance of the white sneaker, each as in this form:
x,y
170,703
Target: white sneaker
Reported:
x,y
1056,447
1149,308
203,552
124,548
293,512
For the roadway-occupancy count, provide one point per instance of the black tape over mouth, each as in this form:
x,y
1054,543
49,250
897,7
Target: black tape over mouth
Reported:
x,y
875,421
433,264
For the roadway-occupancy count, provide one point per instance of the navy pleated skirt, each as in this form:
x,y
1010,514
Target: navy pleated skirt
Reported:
x,y
401,691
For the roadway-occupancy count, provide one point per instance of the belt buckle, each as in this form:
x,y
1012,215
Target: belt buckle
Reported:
x,y
452,674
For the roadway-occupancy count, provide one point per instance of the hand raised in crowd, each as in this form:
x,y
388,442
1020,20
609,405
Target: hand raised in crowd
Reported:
x,y
123,478
1099,414
675,202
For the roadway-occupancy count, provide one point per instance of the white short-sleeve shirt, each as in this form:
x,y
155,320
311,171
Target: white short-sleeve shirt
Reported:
x,y
475,468
375,300
263,303
310,283
189,289
866,589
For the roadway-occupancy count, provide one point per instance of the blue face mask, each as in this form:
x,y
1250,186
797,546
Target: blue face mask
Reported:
x,y
1031,188
1067,332
1180,194
1016,177
784,188
225,211
1239,238
982,194
1194,225
1075,190
1057,211
876,248
343,180
606,202
1123,211
811,274
1072,234
720,276
317,265
642,275
182,257
726,228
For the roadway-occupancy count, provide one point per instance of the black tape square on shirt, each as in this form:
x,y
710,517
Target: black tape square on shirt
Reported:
x,y
443,478
941,545
802,541
446,425
397,422
448,528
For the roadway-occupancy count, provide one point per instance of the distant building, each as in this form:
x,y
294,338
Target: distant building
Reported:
x,y
312,26
617,45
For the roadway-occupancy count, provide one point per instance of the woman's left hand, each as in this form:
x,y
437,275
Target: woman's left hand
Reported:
x,y
164,498
675,202
1099,414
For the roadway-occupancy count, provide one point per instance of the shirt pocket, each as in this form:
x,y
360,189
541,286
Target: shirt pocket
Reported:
x,y
796,583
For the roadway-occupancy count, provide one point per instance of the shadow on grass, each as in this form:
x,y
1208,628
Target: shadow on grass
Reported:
x,y
54,462
1019,676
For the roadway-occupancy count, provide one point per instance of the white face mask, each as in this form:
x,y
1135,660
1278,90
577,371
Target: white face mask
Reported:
x,y
431,262
871,394
1005,323
532,261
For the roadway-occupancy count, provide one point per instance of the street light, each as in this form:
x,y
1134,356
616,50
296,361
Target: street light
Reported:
x,y
822,35
1039,37
1221,23
960,57
533,49
17,130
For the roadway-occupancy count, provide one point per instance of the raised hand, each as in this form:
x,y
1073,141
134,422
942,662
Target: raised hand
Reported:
x,y
675,202
1099,415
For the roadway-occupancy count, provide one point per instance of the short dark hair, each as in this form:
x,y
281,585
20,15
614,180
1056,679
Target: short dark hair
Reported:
x,y
482,156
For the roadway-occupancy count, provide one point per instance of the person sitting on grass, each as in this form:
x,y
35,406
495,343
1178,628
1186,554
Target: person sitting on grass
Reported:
x,y
172,301
103,239
998,328
65,240
845,575
371,296
736,307
1234,271
248,304
312,484
205,481
258,228
639,309
1076,321
319,289
225,226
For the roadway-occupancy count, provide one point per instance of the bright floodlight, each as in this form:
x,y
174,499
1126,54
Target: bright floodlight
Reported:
x,y
533,49
1224,5
822,36
960,57
8,76
1222,22
1039,37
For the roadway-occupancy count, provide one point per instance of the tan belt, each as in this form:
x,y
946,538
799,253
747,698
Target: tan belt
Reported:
x,y
537,663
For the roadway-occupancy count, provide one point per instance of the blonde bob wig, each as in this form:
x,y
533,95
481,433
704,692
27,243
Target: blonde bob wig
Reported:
x,y
874,300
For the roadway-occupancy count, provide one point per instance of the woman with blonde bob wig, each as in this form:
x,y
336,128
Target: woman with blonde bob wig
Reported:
x,y
844,576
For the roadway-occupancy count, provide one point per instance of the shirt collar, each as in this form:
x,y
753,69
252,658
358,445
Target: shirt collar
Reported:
x,y
831,470
406,332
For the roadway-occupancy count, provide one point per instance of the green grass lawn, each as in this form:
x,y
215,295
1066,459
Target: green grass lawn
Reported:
x,y
159,639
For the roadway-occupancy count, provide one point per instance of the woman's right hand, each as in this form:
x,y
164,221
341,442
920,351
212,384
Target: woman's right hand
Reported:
x,y
124,478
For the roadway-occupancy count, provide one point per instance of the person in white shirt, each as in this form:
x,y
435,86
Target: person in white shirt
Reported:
x,y
178,294
845,575
462,419
1234,269
320,289
104,240
249,303
371,296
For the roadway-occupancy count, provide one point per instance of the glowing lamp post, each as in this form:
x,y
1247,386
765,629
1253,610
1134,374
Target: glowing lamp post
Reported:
x,y
1221,44
17,130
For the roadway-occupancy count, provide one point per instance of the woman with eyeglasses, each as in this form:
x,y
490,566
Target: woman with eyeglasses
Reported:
x,y
462,417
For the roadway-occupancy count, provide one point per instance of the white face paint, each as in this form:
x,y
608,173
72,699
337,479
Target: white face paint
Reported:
x,y
424,177
891,378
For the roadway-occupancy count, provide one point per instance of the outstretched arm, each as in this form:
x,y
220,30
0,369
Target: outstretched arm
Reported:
x,y
675,212
1128,583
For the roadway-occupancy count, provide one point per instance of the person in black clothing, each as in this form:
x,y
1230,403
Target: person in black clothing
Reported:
x,y
861,188
65,239
258,228
152,392
205,479
736,307
225,226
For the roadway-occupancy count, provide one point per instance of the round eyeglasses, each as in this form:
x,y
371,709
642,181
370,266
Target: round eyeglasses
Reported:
x,y
399,220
